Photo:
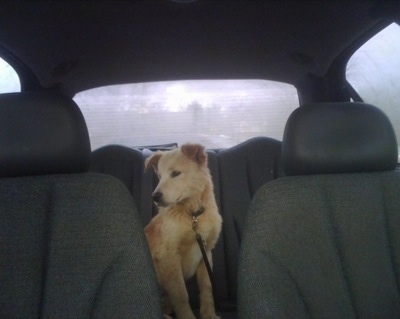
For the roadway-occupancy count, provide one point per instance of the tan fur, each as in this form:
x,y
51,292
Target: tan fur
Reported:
x,y
186,185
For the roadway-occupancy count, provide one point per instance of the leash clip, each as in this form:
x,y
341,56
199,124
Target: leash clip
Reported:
x,y
194,218
194,223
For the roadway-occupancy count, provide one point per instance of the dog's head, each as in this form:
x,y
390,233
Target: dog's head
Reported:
x,y
183,174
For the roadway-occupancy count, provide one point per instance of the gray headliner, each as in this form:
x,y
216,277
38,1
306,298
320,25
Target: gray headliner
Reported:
x,y
77,45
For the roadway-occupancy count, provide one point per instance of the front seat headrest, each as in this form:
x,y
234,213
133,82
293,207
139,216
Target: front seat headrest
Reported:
x,y
338,137
42,133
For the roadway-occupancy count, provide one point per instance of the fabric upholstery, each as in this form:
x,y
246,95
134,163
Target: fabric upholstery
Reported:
x,y
323,247
71,242
326,245
73,247
127,165
243,169
219,262
41,134
337,138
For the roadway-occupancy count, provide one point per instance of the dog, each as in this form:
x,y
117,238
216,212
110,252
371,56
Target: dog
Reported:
x,y
186,205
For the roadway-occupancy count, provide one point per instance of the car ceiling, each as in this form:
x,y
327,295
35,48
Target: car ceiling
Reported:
x,y
75,45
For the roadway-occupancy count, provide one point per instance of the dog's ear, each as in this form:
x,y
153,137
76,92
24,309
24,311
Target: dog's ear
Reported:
x,y
195,152
152,161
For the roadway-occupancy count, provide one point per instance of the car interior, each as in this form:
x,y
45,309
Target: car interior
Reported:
x,y
308,189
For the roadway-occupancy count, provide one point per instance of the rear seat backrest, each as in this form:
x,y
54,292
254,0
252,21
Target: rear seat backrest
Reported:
x,y
122,162
237,173
219,262
126,164
243,169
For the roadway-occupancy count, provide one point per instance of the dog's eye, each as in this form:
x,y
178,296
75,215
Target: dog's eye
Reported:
x,y
175,174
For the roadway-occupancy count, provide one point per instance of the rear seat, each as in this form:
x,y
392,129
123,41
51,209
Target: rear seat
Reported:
x,y
243,169
237,173
127,164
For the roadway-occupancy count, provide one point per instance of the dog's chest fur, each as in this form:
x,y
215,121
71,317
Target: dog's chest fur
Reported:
x,y
172,234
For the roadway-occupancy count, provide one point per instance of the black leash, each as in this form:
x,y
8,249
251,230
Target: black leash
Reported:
x,y
201,243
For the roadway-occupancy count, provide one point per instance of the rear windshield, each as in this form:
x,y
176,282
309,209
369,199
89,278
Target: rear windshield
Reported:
x,y
217,113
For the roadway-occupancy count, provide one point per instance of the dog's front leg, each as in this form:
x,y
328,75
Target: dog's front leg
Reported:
x,y
171,279
207,308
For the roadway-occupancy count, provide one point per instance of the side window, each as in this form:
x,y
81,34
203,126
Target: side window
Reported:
x,y
374,73
9,80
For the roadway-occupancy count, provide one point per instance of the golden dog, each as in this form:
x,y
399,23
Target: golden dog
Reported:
x,y
185,188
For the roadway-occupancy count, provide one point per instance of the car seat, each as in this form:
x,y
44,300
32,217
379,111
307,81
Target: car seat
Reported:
x,y
243,169
324,242
71,242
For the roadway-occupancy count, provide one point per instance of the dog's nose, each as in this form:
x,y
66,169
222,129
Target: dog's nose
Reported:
x,y
156,196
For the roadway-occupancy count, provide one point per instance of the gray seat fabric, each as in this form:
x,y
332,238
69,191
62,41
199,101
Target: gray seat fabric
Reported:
x,y
325,241
219,267
71,242
126,164
244,168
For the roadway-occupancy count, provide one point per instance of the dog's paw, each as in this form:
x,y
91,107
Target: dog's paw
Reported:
x,y
167,317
